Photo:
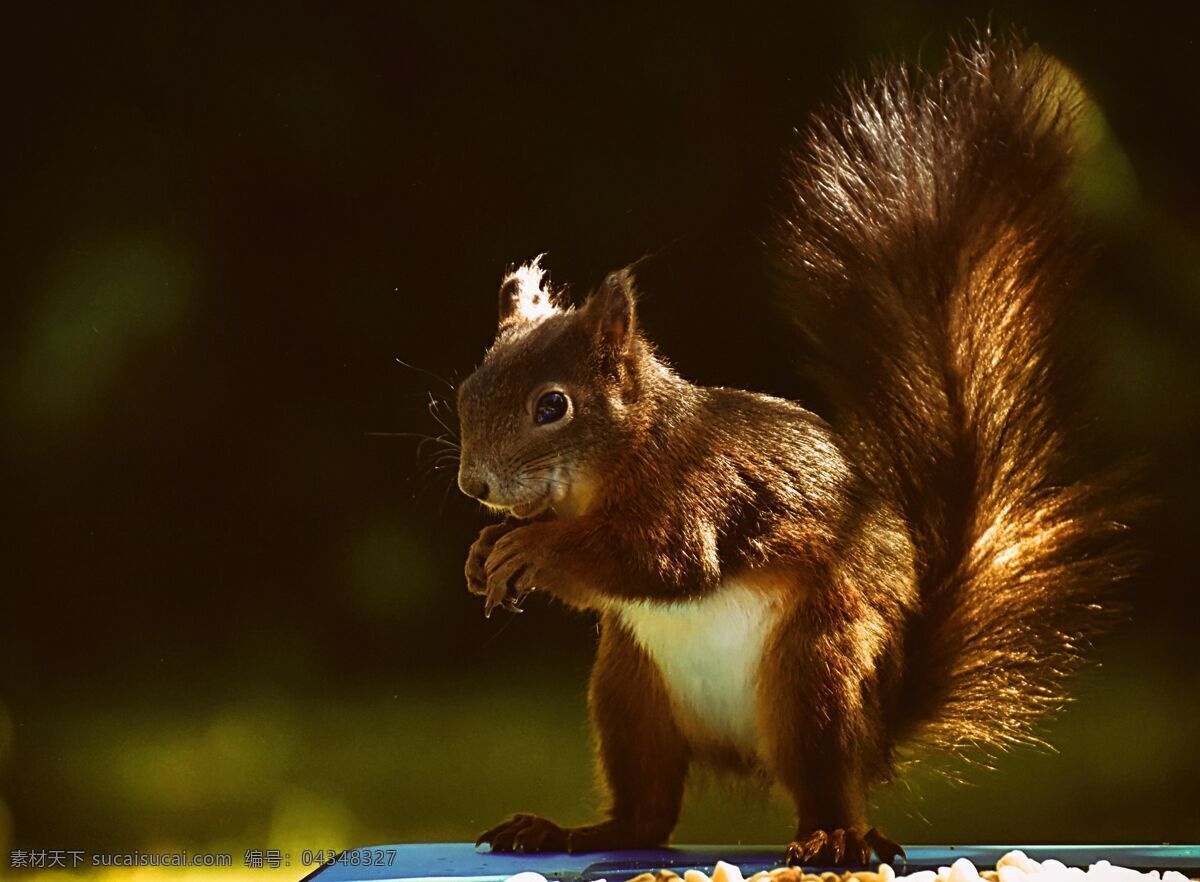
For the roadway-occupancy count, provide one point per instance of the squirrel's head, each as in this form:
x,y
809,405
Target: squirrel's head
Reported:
x,y
554,399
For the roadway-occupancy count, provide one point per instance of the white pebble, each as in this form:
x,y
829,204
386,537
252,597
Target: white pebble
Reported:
x,y
962,870
1015,866
1019,860
1123,874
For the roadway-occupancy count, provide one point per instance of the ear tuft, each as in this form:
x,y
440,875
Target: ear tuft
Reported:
x,y
525,295
612,310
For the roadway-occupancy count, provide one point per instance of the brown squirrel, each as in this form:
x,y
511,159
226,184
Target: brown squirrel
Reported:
x,y
781,593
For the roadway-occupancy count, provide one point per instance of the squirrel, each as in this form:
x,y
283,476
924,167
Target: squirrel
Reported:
x,y
813,597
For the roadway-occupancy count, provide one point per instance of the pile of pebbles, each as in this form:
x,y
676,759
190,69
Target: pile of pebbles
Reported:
x,y
1013,867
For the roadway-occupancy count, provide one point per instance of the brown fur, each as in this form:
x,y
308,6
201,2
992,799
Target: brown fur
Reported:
x,y
933,579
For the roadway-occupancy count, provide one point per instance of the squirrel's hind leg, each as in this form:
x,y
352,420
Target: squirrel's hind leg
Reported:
x,y
821,727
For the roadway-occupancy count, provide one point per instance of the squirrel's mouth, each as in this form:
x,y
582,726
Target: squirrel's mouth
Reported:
x,y
550,489
527,511
554,486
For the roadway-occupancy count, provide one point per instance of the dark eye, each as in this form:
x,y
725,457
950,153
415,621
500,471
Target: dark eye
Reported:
x,y
550,408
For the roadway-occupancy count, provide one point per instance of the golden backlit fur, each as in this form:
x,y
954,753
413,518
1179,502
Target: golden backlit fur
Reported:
x,y
932,241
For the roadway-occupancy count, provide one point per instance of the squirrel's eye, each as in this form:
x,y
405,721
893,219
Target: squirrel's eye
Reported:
x,y
550,408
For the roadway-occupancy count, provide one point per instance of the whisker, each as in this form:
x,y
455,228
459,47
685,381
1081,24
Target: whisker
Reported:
x,y
437,455
433,411
538,462
446,446
432,473
445,496
426,372
499,631
440,439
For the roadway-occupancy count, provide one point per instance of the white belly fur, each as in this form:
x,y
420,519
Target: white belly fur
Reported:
x,y
708,651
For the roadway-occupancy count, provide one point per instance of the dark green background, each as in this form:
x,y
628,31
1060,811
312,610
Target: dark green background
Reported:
x,y
230,616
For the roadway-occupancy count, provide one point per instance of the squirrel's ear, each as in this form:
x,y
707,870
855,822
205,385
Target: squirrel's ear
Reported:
x,y
525,296
612,312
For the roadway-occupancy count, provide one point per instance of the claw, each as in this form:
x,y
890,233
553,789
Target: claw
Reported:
x,y
837,847
513,604
503,596
810,851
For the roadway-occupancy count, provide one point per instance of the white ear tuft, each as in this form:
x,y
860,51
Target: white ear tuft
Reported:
x,y
525,296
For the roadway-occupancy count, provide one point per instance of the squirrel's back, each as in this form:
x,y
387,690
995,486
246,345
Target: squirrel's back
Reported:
x,y
930,244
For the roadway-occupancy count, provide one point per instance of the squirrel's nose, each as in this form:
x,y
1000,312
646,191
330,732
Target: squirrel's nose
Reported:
x,y
473,486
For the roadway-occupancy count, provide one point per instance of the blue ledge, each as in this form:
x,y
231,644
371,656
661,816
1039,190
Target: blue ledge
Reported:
x,y
460,862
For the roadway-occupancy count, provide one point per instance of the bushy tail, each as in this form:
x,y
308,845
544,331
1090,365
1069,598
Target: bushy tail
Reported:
x,y
931,244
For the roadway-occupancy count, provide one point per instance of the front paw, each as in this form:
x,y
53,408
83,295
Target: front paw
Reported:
x,y
512,569
477,556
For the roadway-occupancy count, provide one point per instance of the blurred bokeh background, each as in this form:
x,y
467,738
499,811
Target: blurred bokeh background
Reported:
x,y
232,617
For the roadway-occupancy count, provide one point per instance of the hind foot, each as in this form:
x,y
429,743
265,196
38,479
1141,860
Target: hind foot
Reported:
x,y
840,847
532,834
527,833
